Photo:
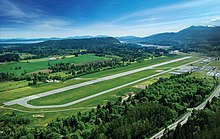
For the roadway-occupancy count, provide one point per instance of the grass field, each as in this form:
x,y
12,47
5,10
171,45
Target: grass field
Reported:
x,y
112,96
71,95
19,92
215,63
41,65
80,107
25,55
132,66
38,121
10,85
47,58
16,92
10,94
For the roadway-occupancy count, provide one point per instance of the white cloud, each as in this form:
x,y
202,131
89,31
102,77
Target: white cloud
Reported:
x,y
174,8
212,21
215,20
9,9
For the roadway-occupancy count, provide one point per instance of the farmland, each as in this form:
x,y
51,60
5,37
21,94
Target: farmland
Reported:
x,y
43,63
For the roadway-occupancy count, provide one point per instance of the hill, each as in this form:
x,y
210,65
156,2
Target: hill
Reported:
x,y
190,37
100,46
129,38
194,38
193,33
76,43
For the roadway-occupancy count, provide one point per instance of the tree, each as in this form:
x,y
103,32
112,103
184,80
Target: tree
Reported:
x,y
53,135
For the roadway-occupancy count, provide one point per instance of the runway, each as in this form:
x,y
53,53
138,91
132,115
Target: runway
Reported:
x,y
23,101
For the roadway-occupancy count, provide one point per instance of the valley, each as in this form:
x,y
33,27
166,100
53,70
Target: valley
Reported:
x,y
82,69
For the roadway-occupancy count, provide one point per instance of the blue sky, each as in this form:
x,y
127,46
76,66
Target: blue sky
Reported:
x,y
65,18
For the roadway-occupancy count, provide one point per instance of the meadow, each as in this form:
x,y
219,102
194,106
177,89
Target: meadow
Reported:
x,y
39,64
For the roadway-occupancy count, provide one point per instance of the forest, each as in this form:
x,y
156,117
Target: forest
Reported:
x,y
9,57
90,67
154,108
203,124
100,46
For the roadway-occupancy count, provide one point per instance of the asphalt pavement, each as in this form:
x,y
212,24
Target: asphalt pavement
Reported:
x,y
23,101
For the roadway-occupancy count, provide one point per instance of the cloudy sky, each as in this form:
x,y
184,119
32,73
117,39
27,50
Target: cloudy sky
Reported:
x,y
65,18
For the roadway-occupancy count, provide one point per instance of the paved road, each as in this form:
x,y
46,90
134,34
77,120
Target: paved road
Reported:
x,y
184,119
23,101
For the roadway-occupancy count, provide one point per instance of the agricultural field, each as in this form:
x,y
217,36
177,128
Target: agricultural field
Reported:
x,y
42,64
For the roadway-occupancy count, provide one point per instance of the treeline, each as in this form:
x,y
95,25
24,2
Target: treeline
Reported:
x,y
32,78
137,117
99,46
87,68
202,124
9,57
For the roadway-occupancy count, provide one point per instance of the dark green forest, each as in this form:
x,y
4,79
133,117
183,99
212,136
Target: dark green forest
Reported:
x,y
137,117
100,46
203,124
9,57
91,67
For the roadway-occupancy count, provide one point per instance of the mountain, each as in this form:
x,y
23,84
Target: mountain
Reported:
x,y
129,38
191,35
26,40
200,32
36,40
195,38
75,43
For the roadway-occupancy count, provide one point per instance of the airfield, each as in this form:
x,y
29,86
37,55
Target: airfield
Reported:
x,y
86,92
24,101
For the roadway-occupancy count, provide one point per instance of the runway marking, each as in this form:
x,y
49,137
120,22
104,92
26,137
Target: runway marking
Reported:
x,y
23,101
